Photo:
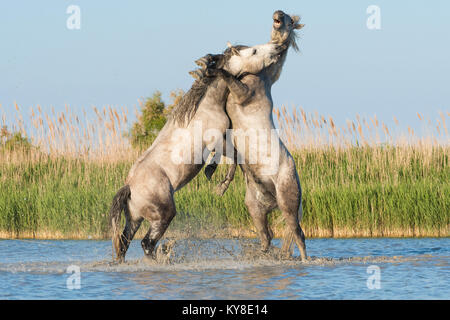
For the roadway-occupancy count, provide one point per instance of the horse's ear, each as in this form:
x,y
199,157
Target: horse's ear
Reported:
x,y
234,51
295,21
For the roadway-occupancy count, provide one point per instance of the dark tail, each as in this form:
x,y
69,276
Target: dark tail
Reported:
x,y
119,203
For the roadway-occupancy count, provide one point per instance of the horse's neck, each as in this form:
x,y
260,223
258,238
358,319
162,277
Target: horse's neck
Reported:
x,y
215,96
274,71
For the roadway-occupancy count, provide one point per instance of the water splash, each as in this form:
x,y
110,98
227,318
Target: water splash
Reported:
x,y
197,255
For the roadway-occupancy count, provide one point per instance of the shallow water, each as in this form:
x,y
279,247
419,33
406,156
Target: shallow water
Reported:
x,y
228,269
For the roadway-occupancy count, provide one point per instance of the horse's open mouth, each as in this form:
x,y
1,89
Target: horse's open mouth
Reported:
x,y
276,23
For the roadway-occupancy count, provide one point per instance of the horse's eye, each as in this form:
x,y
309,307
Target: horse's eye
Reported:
x,y
254,51
292,21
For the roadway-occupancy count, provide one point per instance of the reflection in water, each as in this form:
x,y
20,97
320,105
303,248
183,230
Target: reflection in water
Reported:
x,y
215,284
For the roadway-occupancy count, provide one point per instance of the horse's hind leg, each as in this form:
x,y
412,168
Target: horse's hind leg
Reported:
x,y
159,217
289,197
292,220
259,216
258,211
131,227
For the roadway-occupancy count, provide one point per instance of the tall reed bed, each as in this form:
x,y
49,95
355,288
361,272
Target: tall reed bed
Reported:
x,y
359,179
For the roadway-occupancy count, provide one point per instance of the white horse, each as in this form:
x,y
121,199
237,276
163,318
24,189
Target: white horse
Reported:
x,y
197,126
274,183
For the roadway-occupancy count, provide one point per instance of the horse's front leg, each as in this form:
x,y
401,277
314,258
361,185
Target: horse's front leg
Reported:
x,y
237,88
213,164
225,183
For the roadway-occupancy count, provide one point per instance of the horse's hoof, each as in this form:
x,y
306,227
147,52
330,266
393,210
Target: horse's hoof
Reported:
x,y
149,258
221,188
304,259
209,171
116,262
119,260
287,256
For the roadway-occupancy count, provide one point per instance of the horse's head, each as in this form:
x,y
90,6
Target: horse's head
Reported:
x,y
283,29
239,59
243,59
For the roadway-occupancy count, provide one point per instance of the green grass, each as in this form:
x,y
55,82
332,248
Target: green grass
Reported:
x,y
372,191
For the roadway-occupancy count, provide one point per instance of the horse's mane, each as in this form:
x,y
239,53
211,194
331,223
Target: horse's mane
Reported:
x,y
188,105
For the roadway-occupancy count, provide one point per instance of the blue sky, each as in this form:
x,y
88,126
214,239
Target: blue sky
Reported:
x,y
127,50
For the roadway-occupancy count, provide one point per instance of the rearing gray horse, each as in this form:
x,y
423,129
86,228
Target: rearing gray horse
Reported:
x,y
274,183
196,127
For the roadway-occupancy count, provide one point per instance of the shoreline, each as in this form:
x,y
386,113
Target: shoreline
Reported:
x,y
231,233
